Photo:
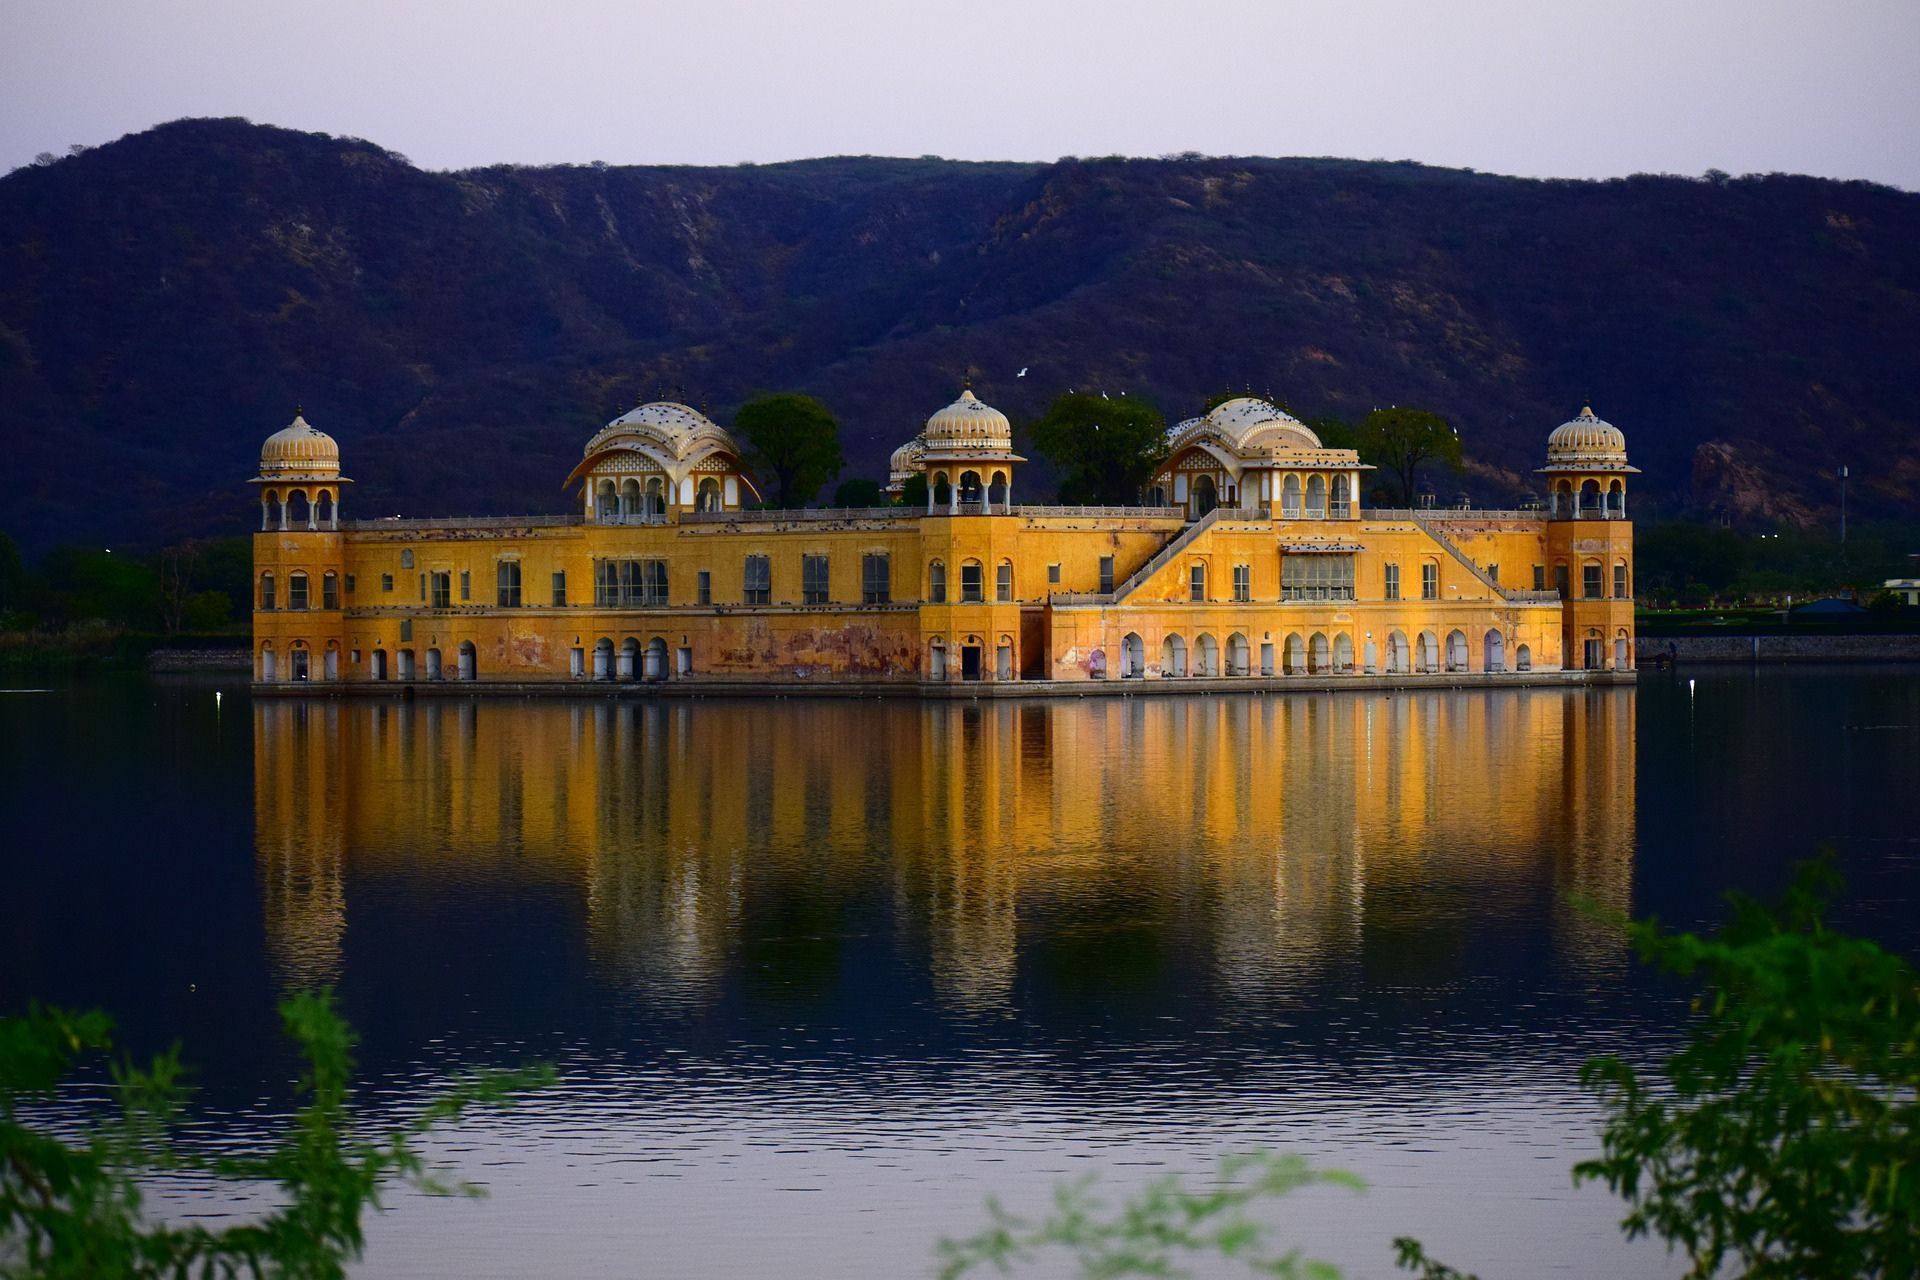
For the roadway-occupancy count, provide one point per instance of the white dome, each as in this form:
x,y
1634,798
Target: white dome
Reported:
x,y
673,428
968,423
1248,424
1586,439
299,450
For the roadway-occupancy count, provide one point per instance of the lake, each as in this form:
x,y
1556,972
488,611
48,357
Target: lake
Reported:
x,y
821,975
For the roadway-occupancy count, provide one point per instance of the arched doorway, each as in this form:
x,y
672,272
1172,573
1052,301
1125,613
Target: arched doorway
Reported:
x,y
656,659
269,666
1173,656
1133,657
1097,664
708,497
603,659
1343,654
297,668
1456,650
1399,660
469,661
433,663
628,662
1523,658
1622,657
1294,658
330,664
379,664
1208,658
1370,657
936,659
1205,496
403,663
1494,657
1003,659
1239,656
1319,654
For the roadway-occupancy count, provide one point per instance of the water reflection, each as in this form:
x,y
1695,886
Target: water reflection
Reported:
x,y
1014,853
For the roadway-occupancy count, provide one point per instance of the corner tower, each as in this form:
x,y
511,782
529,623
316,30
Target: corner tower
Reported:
x,y
1590,543
299,577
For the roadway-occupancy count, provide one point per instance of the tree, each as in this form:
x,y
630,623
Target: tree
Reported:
x,y
913,493
1400,440
1105,450
859,492
72,1205
794,441
1785,1137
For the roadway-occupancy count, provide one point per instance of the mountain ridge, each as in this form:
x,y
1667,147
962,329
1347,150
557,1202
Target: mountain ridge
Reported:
x,y
166,300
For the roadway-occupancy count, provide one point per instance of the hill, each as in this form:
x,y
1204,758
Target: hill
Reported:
x,y
167,299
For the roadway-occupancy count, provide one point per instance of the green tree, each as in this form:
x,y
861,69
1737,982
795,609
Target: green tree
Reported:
x,y
13,577
859,492
73,1207
792,440
1785,1138
913,493
1105,450
1401,440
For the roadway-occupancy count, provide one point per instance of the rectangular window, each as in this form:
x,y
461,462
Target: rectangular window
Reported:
x,y
1539,577
653,583
758,578
386,582
972,585
1003,582
423,586
813,580
406,559
406,630
1620,581
466,584
1393,582
1493,571
1196,582
560,590
1320,577
937,582
1560,581
1590,585
1106,575
507,584
703,587
442,591
349,584
329,592
1053,575
1339,509
297,591
630,583
876,578
1429,581
1243,583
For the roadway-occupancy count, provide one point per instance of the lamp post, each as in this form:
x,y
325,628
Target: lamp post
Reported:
x,y
1843,506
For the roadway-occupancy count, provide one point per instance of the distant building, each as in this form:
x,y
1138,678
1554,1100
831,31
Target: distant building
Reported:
x,y
1251,558
1908,589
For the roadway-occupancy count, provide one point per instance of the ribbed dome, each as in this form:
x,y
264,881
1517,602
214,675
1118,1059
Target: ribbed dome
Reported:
x,y
968,423
907,457
1586,439
1248,423
299,450
674,428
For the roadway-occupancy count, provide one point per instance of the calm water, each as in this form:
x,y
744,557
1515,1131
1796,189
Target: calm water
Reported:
x,y
821,975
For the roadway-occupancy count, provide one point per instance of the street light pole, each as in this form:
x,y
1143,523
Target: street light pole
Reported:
x,y
1843,506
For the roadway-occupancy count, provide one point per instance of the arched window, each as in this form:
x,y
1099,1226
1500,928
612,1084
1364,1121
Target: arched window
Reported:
x,y
1316,497
1290,497
969,488
998,491
708,498
296,590
972,584
1197,581
656,496
937,583
606,502
266,591
629,497
1205,496
1589,498
1617,499
1003,582
1620,591
939,491
271,512
299,513
329,590
323,510
1341,509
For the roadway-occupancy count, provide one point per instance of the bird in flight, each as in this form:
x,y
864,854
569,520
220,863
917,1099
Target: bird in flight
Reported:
x,y
1022,373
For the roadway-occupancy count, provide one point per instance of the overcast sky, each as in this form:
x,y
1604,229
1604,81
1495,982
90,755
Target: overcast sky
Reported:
x,y
1533,87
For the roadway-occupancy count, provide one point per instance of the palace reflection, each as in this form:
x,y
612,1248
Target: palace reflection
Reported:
x,y
717,840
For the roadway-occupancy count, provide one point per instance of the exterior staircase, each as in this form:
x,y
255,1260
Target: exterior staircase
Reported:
x,y
1167,553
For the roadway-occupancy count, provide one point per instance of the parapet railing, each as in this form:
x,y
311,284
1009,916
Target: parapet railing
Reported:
x,y
772,515
463,522
1449,513
1133,513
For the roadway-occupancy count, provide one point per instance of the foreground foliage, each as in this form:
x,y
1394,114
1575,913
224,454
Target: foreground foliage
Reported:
x,y
74,1206
1785,1138
1165,1222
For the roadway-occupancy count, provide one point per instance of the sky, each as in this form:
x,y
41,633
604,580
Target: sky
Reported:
x,y
1527,87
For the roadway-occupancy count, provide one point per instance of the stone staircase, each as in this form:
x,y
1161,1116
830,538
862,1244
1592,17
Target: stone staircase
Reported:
x,y
1168,552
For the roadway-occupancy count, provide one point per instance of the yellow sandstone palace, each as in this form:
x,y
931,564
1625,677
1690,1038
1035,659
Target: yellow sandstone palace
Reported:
x,y
1252,564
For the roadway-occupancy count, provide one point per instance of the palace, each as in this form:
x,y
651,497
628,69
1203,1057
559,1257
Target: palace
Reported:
x,y
1252,561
